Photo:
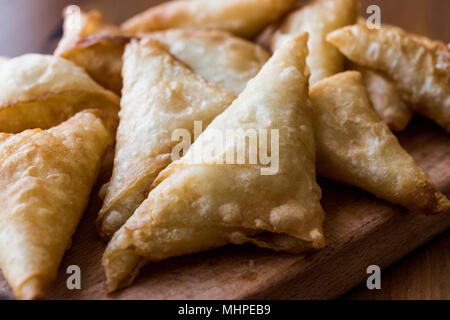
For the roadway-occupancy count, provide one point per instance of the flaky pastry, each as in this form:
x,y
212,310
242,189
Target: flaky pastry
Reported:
x,y
45,181
201,205
160,95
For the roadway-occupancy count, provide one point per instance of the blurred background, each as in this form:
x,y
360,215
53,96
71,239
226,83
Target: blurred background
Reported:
x,y
36,26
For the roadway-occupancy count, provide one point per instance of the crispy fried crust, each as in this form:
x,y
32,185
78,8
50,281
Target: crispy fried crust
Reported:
x,y
219,57
419,67
245,18
318,19
38,91
355,147
197,206
160,95
96,46
45,182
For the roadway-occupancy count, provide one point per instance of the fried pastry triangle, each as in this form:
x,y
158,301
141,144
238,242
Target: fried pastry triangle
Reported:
x,y
201,205
244,18
40,91
419,67
45,181
160,95
355,147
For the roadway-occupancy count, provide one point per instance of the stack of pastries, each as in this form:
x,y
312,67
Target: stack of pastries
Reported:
x,y
333,89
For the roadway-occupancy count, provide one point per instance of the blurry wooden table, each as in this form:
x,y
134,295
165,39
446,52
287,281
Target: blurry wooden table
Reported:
x,y
35,26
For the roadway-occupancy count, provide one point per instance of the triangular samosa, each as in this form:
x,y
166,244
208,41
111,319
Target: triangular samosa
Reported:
x,y
419,66
94,45
244,18
355,147
160,95
41,91
318,18
219,57
201,204
45,182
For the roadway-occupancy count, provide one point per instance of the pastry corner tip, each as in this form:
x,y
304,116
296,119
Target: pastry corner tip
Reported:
x,y
32,289
443,205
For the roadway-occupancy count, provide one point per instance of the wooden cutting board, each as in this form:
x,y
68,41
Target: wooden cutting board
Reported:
x,y
360,231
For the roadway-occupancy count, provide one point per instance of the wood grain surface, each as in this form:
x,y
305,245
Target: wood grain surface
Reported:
x,y
361,230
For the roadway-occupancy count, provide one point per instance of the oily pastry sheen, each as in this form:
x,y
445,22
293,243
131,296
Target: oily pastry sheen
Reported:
x,y
45,181
201,204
